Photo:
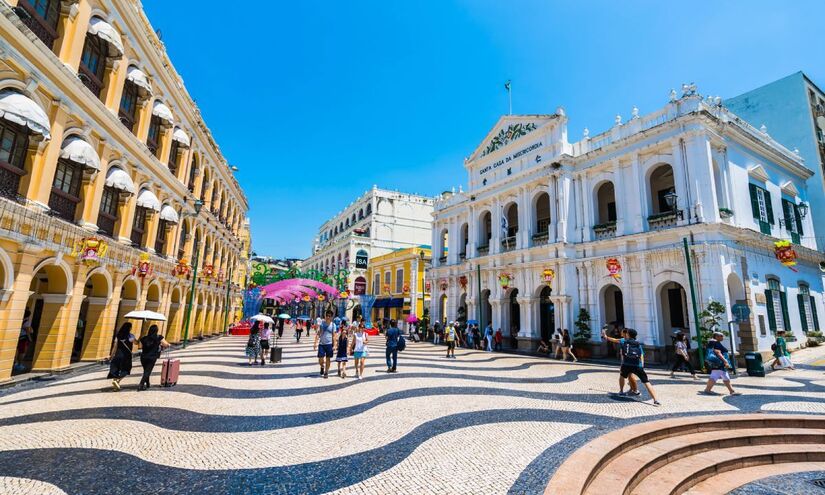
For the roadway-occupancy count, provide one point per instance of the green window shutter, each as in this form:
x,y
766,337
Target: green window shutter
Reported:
x,y
771,313
787,213
813,314
783,300
768,206
798,220
800,299
754,203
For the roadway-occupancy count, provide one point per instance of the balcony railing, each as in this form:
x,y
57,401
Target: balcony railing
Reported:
x,y
484,250
605,230
508,243
10,180
37,24
665,220
541,238
63,205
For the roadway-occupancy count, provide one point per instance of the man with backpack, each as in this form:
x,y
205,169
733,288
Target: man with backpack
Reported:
x,y
395,343
324,342
718,361
450,336
633,362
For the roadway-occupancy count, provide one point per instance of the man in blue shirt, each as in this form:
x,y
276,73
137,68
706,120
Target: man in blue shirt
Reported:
x,y
324,342
393,333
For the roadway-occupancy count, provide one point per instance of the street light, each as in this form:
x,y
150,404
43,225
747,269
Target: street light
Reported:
x,y
197,205
670,199
803,209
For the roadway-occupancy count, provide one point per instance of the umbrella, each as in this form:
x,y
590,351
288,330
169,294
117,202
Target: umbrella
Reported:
x,y
262,317
145,315
412,319
304,318
472,322
284,316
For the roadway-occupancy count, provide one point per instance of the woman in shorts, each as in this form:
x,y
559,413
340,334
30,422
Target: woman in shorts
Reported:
x,y
359,347
718,362
343,349
266,333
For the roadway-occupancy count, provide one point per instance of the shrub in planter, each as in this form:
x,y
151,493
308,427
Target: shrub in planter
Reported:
x,y
582,334
815,338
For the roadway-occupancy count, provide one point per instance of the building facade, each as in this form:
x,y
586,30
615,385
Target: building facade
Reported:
x,y
792,110
105,163
397,281
554,227
377,223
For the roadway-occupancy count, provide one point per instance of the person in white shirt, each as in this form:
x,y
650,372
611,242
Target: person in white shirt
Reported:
x,y
556,341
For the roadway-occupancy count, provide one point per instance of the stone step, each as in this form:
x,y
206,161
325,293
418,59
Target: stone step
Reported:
x,y
679,476
585,465
731,480
625,471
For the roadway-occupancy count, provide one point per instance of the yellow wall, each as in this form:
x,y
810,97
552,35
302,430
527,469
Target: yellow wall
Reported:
x,y
391,263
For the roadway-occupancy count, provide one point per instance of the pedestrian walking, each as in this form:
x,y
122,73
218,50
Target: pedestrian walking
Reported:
x,y
718,361
437,333
556,341
393,337
567,346
24,340
470,338
253,344
488,337
342,349
514,337
633,363
280,328
634,387
782,357
498,338
324,338
478,339
360,349
120,361
450,336
150,346
266,334
682,356
299,329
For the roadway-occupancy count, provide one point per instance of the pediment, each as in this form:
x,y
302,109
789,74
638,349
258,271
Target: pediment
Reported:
x,y
790,189
509,129
758,172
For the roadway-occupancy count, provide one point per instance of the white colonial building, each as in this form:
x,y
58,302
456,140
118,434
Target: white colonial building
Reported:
x,y
600,224
378,222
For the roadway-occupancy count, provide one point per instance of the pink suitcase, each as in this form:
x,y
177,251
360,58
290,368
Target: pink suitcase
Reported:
x,y
170,372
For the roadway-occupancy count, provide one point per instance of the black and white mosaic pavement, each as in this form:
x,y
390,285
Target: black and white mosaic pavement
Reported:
x,y
481,423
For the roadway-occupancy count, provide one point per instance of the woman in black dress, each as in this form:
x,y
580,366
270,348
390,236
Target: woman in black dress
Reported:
x,y
151,346
120,362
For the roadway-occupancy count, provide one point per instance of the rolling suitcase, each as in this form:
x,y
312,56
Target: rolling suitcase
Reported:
x,y
275,354
170,371
416,338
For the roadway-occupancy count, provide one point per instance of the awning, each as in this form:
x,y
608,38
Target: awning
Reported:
x,y
119,179
147,199
22,110
390,302
180,136
169,214
79,151
138,77
162,111
103,30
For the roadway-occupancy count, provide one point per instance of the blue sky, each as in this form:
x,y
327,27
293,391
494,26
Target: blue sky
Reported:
x,y
316,101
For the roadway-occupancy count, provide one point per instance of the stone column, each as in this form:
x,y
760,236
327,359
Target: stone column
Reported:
x,y
12,307
113,82
699,164
143,119
151,229
74,35
93,191
126,218
685,199
95,343
37,184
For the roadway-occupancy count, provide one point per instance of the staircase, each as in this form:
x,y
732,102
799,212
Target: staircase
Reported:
x,y
696,455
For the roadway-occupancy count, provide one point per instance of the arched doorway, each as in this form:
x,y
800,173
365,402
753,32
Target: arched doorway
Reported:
x,y
485,232
661,184
442,308
45,310
673,307
547,314
128,301
514,317
87,339
175,314
486,309
461,311
613,306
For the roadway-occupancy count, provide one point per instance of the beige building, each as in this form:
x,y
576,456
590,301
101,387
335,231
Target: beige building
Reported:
x,y
103,158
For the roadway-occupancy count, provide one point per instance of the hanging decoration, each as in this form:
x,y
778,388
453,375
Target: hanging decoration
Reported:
x,y
321,297
343,295
785,253
406,288
462,281
182,269
614,268
504,280
208,271
221,275
90,250
306,298
387,288
143,268
427,286
548,274
443,284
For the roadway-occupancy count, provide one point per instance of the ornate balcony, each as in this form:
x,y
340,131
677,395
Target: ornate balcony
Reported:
x,y
605,230
484,250
63,205
541,238
508,243
665,220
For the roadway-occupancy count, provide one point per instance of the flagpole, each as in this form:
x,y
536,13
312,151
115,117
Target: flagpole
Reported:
x,y
509,98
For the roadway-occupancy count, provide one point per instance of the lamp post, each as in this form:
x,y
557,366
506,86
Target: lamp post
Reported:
x,y
198,205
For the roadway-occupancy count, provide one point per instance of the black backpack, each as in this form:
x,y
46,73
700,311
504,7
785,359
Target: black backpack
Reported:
x,y
632,351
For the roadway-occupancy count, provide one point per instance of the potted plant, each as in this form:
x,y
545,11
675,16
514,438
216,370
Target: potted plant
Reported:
x,y
725,212
815,338
582,334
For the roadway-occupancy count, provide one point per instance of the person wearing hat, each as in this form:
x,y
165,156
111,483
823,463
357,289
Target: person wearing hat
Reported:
x,y
324,338
450,337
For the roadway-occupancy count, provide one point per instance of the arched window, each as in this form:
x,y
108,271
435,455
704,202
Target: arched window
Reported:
x,y
360,214
347,223
93,63
153,138
193,170
661,185
485,230
542,214
369,209
353,219
184,232
14,143
107,217
65,193
42,19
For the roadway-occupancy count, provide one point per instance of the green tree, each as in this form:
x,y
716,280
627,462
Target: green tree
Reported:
x,y
710,320
583,333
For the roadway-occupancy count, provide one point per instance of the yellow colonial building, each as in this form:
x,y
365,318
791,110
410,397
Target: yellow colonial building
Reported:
x,y
110,181
397,281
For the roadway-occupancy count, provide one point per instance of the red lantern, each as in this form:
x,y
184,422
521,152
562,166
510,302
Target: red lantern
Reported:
x,y
785,253
182,269
406,288
614,268
143,268
549,274
208,271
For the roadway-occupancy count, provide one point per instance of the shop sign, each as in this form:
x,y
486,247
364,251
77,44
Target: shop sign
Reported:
x,y
361,259
510,158
360,286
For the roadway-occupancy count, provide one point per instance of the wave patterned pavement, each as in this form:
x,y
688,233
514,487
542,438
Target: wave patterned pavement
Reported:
x,y
484,423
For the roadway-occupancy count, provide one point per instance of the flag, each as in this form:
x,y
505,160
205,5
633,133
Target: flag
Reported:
x,y
504,225
507,85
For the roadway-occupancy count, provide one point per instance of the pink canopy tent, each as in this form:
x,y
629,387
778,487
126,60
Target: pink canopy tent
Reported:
x,y
300,285
289,294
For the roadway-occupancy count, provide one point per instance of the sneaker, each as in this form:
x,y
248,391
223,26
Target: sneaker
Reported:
x,y
736,393
322,371
657,403
326,376
634,393
622,394
116,385
358,377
